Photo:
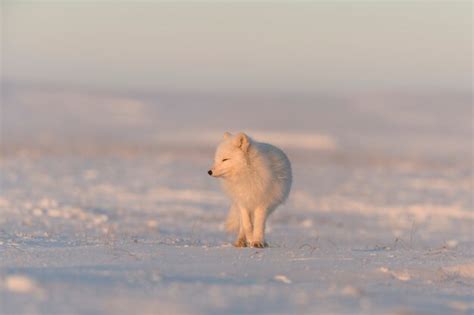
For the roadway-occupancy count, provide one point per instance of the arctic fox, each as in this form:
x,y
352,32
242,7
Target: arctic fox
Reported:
x,y
257,178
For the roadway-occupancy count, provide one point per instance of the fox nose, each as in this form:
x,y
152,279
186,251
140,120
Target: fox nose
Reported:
x,y
209,172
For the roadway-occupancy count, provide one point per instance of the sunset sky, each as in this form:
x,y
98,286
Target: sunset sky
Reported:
x,y
246,46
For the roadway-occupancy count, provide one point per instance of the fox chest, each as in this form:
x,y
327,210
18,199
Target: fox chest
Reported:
x,y
247,192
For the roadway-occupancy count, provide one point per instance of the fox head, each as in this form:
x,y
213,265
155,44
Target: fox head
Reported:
x,y
231,155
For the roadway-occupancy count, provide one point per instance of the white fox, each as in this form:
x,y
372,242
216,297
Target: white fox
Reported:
x,y
257,178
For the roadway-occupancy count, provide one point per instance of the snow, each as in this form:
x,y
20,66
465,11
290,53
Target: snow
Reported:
x,y
290,140
20,284
465,271
112,220
282,278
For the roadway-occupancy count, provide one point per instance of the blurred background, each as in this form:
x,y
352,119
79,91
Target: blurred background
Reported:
x,y
387,75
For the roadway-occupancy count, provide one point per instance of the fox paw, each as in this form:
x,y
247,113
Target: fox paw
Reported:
x,y
240,243
259,244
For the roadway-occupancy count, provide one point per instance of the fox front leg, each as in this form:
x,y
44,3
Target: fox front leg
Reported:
x,y
259,219
241,240
246,225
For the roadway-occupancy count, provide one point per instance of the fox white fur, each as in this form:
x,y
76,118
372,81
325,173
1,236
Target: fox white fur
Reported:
x,y
257,178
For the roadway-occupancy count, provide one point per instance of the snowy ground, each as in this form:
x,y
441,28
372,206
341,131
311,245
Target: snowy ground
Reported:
x,y
106,207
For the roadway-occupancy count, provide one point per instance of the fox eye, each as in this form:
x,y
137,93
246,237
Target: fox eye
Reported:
x,y
225,160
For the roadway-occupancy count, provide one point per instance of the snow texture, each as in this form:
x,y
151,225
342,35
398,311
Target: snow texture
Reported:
x,y
106,206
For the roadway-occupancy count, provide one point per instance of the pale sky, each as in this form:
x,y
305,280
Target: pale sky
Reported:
x,y
241,46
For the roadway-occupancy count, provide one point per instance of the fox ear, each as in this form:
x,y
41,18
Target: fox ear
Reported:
x,y
242,141
227,135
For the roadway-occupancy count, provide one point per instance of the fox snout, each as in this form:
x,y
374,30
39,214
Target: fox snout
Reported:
x,y
209,172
